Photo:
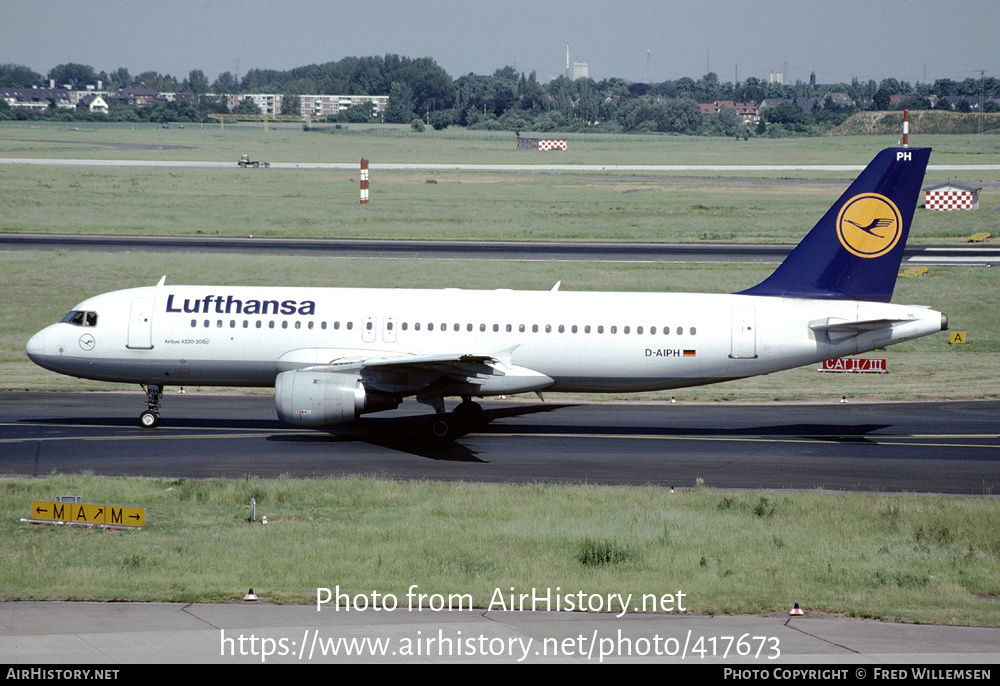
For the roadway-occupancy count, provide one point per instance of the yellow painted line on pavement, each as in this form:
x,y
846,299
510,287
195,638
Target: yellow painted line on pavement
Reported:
x,y
825,438
915,440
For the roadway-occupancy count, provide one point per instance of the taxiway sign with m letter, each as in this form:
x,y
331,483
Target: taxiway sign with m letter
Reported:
x,y
88,515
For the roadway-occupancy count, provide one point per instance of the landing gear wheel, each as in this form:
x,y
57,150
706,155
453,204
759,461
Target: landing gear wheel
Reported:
x,y
441,428
150,419
469,415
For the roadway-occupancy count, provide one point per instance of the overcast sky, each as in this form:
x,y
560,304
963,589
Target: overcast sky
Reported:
x,y
912,40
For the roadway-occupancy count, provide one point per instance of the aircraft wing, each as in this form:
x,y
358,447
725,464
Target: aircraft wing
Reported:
x,y
465,368
422,360
351,361
461,373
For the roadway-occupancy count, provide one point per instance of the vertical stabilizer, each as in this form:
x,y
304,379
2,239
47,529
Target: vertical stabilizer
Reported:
x,y
855,250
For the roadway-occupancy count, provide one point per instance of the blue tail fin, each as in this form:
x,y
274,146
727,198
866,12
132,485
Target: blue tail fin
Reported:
x,y
854,252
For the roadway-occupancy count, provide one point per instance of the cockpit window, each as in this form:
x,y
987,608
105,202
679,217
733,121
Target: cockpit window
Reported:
x,y
81,318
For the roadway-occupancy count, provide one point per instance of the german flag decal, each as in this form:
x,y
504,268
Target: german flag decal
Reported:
x,y
689,353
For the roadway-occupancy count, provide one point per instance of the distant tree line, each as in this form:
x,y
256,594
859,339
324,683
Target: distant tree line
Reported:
x,y
419,89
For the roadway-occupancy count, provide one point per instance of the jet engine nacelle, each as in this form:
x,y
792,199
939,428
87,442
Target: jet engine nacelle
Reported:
x,y
313,399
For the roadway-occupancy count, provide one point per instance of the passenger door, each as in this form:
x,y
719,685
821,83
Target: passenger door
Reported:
x,y
140,324
744,343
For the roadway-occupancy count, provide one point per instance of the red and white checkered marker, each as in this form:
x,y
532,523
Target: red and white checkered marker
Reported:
x,y
945,200
796,611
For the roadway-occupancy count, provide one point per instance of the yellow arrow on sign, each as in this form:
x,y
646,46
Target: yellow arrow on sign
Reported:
x,y
128,516
87,514
53,512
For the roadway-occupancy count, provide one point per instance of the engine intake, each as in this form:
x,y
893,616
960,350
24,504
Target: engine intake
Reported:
x,y
313,399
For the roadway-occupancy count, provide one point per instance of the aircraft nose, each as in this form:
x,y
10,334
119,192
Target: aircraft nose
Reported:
x,y
36,345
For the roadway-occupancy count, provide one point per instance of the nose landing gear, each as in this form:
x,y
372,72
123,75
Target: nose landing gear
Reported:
x,y
150,419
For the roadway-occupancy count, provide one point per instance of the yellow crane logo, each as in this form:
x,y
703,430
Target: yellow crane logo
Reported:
x,y
869,225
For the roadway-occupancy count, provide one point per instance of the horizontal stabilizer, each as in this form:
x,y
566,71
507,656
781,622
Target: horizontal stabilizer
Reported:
x,y
835,330
832,325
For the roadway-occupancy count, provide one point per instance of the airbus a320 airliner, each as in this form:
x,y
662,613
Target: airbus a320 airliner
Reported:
x,y
333,354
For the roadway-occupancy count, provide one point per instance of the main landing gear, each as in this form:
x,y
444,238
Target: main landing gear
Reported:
x,y
150,419
468,416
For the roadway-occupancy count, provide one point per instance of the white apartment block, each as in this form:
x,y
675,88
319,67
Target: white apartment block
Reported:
x,y
311,105
331,105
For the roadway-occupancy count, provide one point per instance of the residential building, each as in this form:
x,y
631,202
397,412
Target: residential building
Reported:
x,y
93,103
748,112
332,105
37,98
140,96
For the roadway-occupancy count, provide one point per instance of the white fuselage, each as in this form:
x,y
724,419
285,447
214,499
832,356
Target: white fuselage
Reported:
x,y
571,341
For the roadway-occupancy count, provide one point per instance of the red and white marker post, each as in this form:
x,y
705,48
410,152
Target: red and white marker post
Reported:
x,y
364,181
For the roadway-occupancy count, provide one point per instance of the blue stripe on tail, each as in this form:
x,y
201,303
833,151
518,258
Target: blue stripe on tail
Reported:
x,y
854,252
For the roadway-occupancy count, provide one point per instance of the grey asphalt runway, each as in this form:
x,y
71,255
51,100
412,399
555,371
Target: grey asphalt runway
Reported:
x,y
977,255
946,447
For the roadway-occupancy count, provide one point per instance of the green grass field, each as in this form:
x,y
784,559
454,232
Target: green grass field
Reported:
x,y
906,558
398,144
618,206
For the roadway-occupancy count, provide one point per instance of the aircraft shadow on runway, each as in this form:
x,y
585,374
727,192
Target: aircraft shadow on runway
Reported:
x,y
834,433
410,434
